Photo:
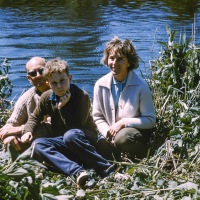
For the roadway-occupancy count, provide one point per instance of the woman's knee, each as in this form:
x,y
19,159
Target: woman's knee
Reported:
x,y
120,141
126,137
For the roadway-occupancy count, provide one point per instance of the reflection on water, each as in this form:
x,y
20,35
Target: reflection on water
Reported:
x,y
183,10
77,30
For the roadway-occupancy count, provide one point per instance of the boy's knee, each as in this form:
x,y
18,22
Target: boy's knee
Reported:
x,y
38,141
38,144
71,136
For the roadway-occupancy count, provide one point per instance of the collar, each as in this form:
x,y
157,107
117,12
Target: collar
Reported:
x,y
54,97
132,79
115,81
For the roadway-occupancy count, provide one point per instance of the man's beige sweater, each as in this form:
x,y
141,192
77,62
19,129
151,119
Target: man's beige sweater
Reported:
x,y
23,108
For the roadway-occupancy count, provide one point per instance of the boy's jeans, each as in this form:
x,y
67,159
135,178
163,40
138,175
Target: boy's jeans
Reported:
x,y
72,153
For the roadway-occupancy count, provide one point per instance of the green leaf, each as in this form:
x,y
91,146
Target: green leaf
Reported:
x,y
50,188
174,132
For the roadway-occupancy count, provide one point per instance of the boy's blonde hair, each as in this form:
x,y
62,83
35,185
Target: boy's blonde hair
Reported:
x,y
55,66
123,47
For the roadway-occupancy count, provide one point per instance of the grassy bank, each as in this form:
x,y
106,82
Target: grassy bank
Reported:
x,y
170,172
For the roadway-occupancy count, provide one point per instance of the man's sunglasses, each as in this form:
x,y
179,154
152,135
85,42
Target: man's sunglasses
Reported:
x,y
34,73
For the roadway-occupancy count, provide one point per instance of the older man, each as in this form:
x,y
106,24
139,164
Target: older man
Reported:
x,y
11,132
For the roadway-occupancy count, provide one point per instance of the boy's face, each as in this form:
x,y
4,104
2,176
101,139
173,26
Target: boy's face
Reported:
x,y
60,83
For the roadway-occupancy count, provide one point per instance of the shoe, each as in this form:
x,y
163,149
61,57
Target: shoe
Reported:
x,y
82,178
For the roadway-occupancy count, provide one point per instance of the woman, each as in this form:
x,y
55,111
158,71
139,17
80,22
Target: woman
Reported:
x,y
123,108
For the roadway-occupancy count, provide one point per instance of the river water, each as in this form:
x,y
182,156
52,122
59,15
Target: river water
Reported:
x,y
77,31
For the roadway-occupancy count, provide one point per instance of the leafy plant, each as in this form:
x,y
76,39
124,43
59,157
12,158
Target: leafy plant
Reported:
x,y
5,91
176,85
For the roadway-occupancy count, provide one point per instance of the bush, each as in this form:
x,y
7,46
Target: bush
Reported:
x,y
5,91
176,86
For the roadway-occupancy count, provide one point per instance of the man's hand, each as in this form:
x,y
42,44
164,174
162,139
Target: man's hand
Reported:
x,y
64,99
27,137
14,141
9,130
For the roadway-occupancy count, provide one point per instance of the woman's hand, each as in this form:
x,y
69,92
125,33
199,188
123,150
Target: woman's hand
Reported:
x,y
114,129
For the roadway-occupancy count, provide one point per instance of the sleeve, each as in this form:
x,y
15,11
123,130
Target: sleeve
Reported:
x,y
97,113
147,118
19,115
37,116
83,108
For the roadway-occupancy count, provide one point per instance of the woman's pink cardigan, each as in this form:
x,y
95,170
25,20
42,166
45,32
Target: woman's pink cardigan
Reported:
x,y
135,106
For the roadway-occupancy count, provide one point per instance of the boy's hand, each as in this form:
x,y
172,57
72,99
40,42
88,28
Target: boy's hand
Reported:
x,y
27,137
64,99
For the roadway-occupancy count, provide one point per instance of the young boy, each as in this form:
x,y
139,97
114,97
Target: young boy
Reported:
x,y
71,150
